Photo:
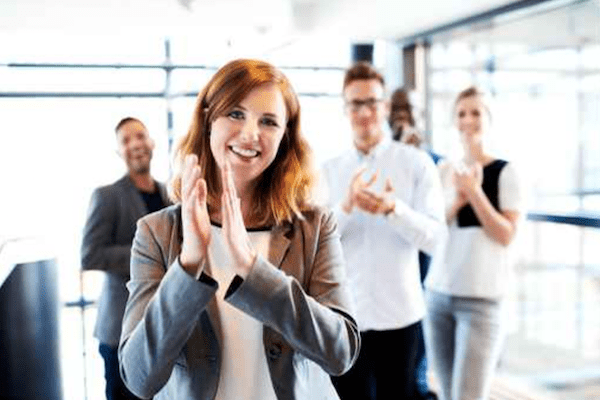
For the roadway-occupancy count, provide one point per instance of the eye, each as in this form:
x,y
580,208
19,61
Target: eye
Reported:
x,y
236,114
269,122
476,113
461,114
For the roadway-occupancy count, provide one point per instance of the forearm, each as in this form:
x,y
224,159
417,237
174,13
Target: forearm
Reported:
x,y
161,316
494,224
423,231
322,332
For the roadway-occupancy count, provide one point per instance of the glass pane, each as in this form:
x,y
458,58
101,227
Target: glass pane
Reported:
x,y
83,80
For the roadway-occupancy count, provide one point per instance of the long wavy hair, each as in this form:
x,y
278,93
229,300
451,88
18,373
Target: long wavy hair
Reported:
x,y
283,190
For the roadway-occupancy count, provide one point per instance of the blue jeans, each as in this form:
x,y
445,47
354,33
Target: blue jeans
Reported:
x,y
463,338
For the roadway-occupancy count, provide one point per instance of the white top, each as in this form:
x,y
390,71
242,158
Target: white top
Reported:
x,y
382,252
244,371
474,264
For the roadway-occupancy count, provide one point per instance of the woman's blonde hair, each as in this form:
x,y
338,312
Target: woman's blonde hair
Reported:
x,y
283,189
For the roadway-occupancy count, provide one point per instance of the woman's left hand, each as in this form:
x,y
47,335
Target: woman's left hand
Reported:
x,y
234,230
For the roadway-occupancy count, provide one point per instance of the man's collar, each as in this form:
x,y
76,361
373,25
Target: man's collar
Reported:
x,y
379,148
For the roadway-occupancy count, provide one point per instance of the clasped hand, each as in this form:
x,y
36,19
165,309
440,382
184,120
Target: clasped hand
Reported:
x,y
196,221
362,196
467,180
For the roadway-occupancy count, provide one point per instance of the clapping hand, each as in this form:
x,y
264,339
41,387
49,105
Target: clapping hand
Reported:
x,y
361,195
234,230
467,180
194,216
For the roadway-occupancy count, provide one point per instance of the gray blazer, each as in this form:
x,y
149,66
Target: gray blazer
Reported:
x,y
107,236
169,348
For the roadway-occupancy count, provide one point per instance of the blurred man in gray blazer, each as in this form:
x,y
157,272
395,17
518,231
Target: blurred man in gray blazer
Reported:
x,y
108,234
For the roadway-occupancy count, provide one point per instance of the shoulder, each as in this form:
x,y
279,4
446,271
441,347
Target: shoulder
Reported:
x,y
163,225
167,217
336,161
509,173
113,188
315,220
409,154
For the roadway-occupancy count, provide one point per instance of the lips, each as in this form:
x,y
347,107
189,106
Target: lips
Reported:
x,y
244,152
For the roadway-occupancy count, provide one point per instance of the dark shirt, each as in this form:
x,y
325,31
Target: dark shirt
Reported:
x,y
153,201
491,177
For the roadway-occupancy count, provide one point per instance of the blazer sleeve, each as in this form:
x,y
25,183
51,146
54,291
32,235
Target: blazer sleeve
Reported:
x,y
98,248
315,321
163,308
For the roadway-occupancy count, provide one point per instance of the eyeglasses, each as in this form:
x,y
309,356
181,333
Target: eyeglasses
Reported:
x,y
355,105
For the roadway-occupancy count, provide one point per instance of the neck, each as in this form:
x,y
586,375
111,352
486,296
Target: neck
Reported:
x,y
143,181
367,145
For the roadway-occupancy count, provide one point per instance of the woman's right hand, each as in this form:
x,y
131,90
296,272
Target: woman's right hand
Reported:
x,y
195,217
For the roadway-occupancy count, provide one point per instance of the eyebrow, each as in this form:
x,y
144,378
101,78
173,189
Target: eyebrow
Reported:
x,y
267,114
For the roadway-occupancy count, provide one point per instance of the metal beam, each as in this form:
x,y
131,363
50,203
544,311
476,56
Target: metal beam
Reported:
x,y
477,18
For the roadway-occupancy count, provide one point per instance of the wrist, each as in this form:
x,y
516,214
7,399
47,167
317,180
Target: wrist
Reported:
x,y
346,206
192,268
246,265
390,208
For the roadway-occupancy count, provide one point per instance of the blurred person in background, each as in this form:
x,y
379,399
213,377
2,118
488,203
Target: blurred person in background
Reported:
x,y
402,123
388,202
107,236
467,285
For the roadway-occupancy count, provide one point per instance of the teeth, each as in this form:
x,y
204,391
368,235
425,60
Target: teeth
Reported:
x,y
244,152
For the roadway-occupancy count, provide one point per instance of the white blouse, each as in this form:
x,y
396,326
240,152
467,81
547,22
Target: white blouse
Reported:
x,y
244,371
473,264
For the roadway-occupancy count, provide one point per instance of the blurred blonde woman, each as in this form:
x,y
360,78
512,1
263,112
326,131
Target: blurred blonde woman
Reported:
x,y
238,291
467,285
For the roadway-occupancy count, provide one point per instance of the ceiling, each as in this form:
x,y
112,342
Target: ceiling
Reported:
x,y
550,25
358,19
260,26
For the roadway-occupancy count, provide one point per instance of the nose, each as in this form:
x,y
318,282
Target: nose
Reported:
x,y
364,110
250,130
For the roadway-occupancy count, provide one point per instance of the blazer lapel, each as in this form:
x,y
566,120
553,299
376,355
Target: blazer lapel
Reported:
x,y
135,198
279,244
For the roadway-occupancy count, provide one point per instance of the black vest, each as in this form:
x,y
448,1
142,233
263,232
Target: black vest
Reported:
x,y
491,177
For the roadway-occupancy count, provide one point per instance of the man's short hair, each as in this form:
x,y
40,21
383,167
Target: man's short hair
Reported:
x,y
362,70
126,120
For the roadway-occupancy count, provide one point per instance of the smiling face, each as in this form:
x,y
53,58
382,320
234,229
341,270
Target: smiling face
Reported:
x,y
367,110
248,135
472,118
135,146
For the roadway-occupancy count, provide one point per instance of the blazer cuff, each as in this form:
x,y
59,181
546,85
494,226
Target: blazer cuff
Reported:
x,y
254,294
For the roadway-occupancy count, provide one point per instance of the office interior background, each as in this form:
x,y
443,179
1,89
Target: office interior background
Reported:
x,y
69,70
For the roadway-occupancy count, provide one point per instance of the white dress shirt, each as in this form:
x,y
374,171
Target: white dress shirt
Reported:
x,y
382,251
